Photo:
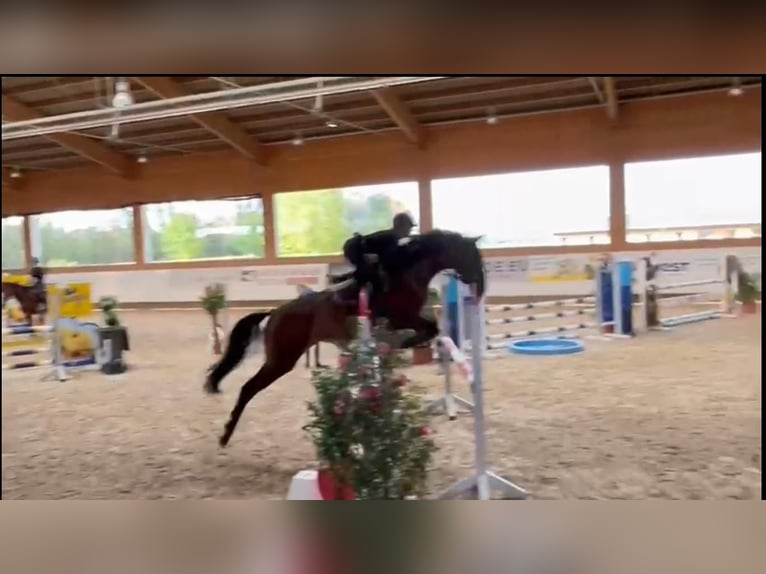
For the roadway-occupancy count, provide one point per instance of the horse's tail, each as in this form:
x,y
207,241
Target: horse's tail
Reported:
x,y
246,331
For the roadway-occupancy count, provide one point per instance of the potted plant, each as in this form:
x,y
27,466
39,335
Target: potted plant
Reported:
x,y
213,302
749,293
423,354
114,338
368,427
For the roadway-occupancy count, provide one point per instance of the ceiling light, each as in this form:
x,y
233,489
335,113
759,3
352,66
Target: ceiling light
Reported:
x,y
16,173
492,118
142,158
331,124
122,96
297,140
735,89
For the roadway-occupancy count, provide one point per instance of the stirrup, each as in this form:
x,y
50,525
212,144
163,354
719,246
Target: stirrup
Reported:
x,y
339,278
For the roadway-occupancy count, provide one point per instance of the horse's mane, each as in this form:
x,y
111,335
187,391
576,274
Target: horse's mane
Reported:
x,y
429,244
435,241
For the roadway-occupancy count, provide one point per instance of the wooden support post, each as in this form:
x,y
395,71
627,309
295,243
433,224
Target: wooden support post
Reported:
x,y
269,229
425,205
617,218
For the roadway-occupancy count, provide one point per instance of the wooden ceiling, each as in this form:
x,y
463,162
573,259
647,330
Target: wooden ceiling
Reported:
x,y
408,108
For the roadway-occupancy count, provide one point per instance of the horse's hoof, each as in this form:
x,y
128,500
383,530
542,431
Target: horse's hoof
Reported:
x,y
223,441
210,389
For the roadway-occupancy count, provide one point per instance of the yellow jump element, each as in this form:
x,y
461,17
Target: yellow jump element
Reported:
x,y
75,299
24,280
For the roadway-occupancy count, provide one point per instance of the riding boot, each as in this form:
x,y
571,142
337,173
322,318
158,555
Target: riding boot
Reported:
x,y
40,298
377,288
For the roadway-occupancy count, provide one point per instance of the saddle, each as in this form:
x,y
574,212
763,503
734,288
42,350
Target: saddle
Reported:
x,y
349,296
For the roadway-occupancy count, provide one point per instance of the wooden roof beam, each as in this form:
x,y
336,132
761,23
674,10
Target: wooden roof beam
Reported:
x,y
610,93
13,110
401,115
215,122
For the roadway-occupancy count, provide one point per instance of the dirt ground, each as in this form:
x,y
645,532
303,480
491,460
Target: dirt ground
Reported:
x,y
667,415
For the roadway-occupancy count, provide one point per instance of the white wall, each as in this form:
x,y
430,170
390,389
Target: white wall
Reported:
x,y
507,276
260,283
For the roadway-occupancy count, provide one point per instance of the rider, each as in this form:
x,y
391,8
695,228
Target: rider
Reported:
x,y
38,275
376,252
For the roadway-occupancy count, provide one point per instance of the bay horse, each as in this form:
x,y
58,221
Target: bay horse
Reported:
x,y
32,301
324,316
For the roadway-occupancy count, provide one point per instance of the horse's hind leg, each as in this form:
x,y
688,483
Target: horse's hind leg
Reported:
x,y
267,374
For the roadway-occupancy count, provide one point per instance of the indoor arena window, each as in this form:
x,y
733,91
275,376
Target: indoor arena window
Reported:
x,y
318,222
535,208
715,197
75,238
193,230
13,243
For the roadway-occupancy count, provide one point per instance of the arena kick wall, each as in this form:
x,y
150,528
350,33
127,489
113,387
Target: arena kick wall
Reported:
x,y
509,278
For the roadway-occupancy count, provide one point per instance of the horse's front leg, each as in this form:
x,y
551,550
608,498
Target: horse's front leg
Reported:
x,y
425,331
317,361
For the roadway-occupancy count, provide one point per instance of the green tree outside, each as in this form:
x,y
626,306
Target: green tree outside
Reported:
x,y
183,237
307,223
178,239
90,246
319,222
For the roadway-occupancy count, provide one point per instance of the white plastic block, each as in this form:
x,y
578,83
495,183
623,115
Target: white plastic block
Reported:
x,y
304,486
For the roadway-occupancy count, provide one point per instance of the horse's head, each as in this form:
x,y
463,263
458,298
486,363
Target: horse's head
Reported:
x,y
449,250
468,263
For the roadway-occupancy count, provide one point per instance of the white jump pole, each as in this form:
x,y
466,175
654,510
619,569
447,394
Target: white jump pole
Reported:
x,y
730,288
642,289
617,325
58,371
484,481
448,403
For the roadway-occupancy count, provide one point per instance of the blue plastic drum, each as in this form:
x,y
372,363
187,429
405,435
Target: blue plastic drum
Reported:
x,y
546,347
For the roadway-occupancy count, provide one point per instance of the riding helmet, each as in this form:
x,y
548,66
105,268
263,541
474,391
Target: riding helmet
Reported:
x,y
404,219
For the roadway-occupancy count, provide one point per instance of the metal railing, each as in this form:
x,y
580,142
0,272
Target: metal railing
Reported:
x,y
200,103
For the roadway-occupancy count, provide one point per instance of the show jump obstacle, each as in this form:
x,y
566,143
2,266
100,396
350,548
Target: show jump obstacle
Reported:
x,y
649,292
22,341
605,314
304,485
484,481
51,345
